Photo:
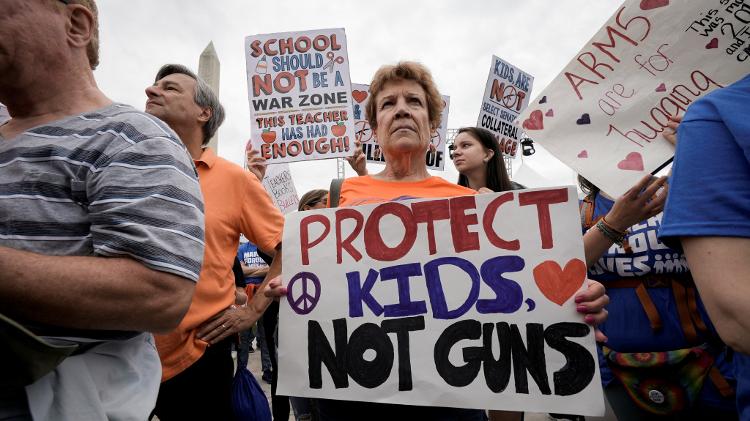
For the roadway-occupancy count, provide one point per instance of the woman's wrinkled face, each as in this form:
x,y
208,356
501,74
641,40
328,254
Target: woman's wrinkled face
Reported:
x,y
403,118
469,154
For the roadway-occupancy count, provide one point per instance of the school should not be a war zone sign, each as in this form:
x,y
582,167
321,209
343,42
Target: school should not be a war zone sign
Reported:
x,y
457,302
299,95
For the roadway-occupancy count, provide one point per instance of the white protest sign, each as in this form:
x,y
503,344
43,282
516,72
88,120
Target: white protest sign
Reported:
x,y
279,184
4,116
300,95
603,115
505,96
461,302
361,95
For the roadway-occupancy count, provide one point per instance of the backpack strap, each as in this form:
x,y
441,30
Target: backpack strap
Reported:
x,y
334,192
652,312
725,389
586,208
686,301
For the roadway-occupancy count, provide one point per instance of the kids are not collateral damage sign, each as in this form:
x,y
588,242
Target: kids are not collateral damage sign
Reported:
x,y
505,96
435,156
461,302
605,113
300,95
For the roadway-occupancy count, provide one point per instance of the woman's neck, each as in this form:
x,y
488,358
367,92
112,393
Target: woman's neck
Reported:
x,y
477,179
409,167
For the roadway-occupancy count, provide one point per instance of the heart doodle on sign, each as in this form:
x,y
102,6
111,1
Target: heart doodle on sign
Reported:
x,y
535,121
585,119
714,43
550,113
557,284
583,154
359,96
543,100
632,162
653,4
661,88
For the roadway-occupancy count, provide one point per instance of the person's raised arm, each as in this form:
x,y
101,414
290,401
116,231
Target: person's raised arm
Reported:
x,y
641,202
358,161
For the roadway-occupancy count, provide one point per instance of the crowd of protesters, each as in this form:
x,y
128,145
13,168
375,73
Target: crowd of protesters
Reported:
x,y
123,283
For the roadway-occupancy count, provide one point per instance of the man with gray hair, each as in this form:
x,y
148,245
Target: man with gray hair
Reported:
x,y
101,227
196,357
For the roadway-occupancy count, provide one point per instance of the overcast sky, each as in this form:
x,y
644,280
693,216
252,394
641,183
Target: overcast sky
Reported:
x,y
455,39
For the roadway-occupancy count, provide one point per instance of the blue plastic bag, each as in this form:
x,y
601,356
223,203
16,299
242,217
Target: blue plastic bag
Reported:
x,y
249,403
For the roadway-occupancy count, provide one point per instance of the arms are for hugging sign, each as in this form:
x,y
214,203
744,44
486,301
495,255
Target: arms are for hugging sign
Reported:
x,y
458,302
605,113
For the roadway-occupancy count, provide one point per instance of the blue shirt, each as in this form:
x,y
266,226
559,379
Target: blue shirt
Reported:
x,y
248,254
709,192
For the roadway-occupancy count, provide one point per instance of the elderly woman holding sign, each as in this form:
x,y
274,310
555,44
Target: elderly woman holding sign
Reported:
x,y
403,111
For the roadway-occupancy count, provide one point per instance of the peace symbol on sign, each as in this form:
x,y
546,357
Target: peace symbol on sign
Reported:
x,y
306,301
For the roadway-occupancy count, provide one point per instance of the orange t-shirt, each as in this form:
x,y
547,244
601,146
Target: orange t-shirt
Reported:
x,y
363,190
235,202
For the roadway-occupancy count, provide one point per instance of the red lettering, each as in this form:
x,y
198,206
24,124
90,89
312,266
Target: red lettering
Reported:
x,y
255,46
302,44
578,83
267,47
263,84
321,145
497,90
463,239
286,46
489,217
603,47
335,46
374,244
625,26
542,200
593,65
346,244
265,150
429,212
305,244
320,43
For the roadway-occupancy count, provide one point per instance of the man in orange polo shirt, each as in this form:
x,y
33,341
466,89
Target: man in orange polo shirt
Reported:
x,y
196,358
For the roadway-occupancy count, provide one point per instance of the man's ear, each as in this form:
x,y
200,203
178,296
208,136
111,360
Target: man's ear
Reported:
x,y
81,26
205,115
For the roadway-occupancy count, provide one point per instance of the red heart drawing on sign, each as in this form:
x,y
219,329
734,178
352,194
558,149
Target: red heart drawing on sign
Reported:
x,y
661,88
359,96
584,154
713,44
653,4
632,162
535,121
550,113
557,284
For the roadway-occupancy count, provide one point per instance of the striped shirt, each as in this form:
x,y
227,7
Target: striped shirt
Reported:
x,y
112,182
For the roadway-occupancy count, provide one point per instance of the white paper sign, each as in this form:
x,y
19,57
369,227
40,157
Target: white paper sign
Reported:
x,y
361,95
505,96
279,184
300,95
4,116
460,302
605,112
